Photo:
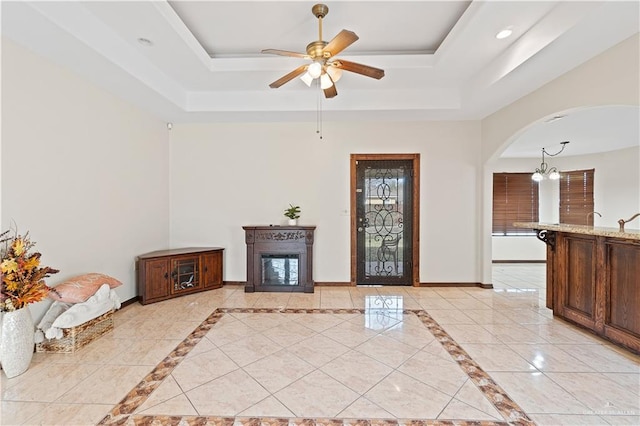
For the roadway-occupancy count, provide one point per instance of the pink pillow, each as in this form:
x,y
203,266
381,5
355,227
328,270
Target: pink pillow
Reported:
x,y
80,288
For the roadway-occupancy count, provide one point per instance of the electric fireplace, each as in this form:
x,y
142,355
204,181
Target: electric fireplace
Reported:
x,y
279,258
279,269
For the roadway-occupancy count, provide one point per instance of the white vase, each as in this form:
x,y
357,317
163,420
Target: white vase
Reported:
x,y
16,341
293,222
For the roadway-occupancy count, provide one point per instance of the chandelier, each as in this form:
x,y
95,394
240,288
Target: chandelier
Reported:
x,y
544,170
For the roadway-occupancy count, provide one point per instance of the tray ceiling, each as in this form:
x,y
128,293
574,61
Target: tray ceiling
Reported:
x,y
442,60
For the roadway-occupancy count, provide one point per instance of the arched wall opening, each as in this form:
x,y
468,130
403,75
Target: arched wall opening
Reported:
x,y
604,138
610,79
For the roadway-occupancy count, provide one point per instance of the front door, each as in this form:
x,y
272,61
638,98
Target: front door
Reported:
x,y
384,222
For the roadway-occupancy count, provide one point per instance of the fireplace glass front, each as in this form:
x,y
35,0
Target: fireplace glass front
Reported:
x,y
280,269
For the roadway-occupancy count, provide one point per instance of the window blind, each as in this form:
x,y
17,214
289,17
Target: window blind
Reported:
x,y
576,197
515,199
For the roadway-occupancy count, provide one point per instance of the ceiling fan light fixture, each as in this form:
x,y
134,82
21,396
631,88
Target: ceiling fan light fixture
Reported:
x,y
306,77
322,56
334,72
315,70
325,81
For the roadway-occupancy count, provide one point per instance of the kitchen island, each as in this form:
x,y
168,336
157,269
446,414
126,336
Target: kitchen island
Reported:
x,y
593,278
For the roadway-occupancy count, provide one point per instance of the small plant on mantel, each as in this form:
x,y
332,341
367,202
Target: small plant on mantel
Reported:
x,y
293,213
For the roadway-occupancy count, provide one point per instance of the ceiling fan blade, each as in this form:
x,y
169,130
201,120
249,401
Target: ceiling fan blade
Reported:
x,y
286,53
366,70
331,92
340,42
285,79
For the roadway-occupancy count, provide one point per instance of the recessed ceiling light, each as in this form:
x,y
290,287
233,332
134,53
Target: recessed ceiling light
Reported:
x,y
504,33
145,42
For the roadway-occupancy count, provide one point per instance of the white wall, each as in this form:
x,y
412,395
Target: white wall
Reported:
x,y
616,195
84,172
224,176
518,249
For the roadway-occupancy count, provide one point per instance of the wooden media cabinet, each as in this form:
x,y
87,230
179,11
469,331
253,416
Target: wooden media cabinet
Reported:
x,y
165,274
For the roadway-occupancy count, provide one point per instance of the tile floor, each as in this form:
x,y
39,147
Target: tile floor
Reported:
x,y
373,355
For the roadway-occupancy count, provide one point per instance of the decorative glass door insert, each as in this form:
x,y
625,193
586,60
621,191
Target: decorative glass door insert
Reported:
x,y
384,211
184,274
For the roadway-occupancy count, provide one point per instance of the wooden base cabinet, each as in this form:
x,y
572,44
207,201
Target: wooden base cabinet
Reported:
x,y
171,273
595,282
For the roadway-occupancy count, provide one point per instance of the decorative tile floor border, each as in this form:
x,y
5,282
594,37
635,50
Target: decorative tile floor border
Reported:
x,y
122,413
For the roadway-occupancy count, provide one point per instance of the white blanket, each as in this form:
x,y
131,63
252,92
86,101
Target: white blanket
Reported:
x,y
55,310
101,302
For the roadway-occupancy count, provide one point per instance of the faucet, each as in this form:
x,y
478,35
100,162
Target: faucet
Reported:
x,y
592,213
622,221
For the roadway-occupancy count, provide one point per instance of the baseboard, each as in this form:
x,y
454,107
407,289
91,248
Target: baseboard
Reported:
x,y
128,302
316,283
487,286
333,284
348,284
518,261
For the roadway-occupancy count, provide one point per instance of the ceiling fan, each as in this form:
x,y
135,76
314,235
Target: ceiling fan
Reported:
x,y
324,65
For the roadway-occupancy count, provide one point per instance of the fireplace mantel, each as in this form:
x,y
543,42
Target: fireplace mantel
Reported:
x,y
279,258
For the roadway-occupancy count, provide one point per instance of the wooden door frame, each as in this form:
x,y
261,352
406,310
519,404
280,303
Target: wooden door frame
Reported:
x,y
415,234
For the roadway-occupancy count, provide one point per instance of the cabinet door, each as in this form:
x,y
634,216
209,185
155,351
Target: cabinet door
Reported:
x,y
623,291
156,282
578,279
212,269
185,274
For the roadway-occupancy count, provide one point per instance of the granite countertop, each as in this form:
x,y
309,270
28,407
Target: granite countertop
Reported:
x,y
629,234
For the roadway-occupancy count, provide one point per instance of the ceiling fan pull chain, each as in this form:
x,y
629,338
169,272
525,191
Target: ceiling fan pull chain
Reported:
x,y
319,110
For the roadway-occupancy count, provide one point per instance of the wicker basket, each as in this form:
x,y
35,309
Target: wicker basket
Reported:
x,y
79,336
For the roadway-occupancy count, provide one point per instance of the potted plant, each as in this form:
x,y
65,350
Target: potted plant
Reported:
x,y
22,283
293,213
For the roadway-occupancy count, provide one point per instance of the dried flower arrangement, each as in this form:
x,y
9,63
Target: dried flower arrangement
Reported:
x,y
22,275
